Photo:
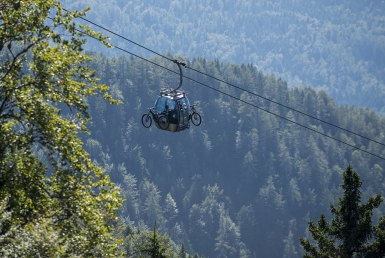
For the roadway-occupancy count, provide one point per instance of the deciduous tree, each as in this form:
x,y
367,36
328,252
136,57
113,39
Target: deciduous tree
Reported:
x,y
46,176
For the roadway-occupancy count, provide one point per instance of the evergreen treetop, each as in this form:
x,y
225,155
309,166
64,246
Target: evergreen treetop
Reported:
x,y
350,233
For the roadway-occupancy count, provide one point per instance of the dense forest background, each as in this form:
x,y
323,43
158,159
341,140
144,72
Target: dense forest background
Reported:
x,y
245,182
338,46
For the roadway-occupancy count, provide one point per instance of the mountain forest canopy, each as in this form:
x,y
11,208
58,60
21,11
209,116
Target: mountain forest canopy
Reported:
x,y
245,182
337,46
242,184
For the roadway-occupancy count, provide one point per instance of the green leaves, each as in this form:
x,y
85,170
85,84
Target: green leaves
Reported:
x,y
45,173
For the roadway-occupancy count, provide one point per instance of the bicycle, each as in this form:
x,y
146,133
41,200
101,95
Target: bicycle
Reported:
x,y
194,116
159,118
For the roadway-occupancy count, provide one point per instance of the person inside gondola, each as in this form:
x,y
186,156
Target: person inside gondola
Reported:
x,y
172,114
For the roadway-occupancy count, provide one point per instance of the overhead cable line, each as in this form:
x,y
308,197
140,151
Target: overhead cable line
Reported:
x,y
241,100
235,86
120,36
285,106
126,51
236,98
304,126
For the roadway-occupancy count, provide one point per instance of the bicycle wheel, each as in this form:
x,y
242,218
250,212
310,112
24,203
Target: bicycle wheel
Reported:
x,y
163,122
146,120
196,119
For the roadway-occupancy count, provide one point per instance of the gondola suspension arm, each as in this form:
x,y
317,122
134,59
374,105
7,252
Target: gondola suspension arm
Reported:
x,y
180,73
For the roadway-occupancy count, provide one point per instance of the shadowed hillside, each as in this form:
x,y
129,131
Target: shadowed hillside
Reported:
x,y
244,182
338,46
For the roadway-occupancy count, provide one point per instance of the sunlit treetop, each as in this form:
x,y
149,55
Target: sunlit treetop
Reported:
x,y
45,174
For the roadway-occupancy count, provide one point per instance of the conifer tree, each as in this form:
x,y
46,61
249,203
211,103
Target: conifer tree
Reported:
x,y
156,246
182,252
350,233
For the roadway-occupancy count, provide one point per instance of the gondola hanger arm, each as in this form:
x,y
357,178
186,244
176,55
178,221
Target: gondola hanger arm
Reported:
x,y
179,63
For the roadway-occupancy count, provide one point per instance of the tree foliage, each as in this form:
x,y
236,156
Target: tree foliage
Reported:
x,y
212,187
260,173
156,246
350,233
46,176
336,45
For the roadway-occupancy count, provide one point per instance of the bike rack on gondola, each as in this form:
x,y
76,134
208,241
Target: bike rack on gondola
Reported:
x,y
172,111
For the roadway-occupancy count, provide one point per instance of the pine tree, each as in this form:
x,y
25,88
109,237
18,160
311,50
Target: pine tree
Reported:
x,y
156,246
182,252
350,233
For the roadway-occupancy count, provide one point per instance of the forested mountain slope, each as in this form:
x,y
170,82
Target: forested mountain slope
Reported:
x,y
245,182
338,45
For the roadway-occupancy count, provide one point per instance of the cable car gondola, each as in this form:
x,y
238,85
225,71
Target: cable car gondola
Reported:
x,y
172,111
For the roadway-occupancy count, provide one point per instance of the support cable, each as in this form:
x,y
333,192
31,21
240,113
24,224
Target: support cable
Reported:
x,y
122,37
235,86
248,103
